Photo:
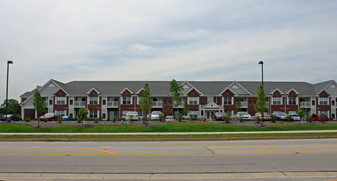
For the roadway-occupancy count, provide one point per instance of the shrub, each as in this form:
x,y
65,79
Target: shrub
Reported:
x,y
226,117
180,117
114,119
240,118
96,120
161,117
59,120
45,120
27,119
322,118
273,118
258,119
309,119
289,118
79,120
8,120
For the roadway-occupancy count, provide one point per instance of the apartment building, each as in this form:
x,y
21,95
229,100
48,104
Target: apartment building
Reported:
x,y
107,99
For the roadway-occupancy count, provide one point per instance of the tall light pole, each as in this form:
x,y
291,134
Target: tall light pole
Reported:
x,y
261,63
262,114
8,62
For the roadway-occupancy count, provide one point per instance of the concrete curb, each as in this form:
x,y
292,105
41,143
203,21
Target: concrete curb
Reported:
x,y
174,176
178,133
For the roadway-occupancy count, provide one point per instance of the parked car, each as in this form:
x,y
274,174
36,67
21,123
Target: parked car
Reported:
x,y
155,115
266,116
246,116
67,118
187,117
132,116
218,116
169,118
123,118
50,116
280,116
12,117
295,117
201,118
317,117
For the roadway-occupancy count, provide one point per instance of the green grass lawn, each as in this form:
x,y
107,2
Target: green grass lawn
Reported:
x,y
166,127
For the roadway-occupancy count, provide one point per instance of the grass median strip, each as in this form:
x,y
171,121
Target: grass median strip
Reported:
x,y
168,137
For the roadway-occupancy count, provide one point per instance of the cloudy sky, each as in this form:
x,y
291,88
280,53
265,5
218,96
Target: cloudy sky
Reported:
x,y
166,39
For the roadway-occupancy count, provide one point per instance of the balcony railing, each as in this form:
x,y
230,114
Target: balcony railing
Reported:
x,y
157,104
305,104
79,104
180,105
112,104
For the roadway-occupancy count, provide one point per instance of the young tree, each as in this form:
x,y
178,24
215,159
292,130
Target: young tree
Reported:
x,y
238,105
176,89
186,109
302,112
260,105
146,102
39,105
83,113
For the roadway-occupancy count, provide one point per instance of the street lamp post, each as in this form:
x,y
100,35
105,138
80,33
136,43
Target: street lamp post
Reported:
x,y
261,63
8,62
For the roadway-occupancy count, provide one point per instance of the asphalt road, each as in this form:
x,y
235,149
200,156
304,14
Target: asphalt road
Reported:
x,y
280,159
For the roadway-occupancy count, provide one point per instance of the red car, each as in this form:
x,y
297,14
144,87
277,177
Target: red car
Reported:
x,y
317,117
218,116
50,116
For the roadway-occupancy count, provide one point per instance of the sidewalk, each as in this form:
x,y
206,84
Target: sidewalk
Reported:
x,y
178,133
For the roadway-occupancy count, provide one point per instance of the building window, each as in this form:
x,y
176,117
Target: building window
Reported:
x,y
326,113
193,100
126,100
50,102
60,112
60,100
104,102
103,115
139,100
71,102
93,100
277,101
165,102
292,101
227,100
313,102
333,102
93,114
323,101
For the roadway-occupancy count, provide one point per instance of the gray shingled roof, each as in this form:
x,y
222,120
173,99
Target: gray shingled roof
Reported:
x,y
161,88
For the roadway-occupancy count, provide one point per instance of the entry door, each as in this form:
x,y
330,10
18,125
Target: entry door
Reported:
x,y
112,114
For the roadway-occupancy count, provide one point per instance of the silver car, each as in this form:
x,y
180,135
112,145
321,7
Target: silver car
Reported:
x,y
246,116
132,116
155,115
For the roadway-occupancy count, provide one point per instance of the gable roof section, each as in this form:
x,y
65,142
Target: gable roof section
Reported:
x,y
292,89
93,89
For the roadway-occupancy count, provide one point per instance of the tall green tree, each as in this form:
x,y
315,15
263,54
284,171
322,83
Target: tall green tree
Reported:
x,y
146,102
176,89
260,105
13,107
39,105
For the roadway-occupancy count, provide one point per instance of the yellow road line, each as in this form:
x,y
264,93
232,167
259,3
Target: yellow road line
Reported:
x,y
106,151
